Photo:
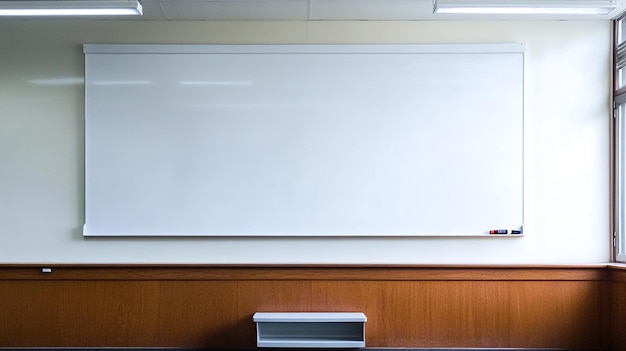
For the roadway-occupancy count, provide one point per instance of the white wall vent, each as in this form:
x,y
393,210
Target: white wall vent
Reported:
x,y
310,329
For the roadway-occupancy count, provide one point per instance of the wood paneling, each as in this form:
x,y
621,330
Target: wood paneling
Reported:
x,y
568,313
212,306
48,313
304,272
617,308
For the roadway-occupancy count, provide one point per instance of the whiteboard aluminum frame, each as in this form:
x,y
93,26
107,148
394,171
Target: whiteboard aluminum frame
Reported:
x,y
303,49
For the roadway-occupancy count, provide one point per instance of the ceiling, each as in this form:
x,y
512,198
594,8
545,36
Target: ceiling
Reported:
x,y
318,10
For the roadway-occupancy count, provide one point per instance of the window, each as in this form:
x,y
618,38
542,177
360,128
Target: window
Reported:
x,y
620,55
620,173
619,99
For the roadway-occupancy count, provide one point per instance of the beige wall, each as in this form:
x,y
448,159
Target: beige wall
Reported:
x,y
567,173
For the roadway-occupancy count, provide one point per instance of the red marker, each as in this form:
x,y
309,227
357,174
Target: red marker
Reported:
x,y
498,231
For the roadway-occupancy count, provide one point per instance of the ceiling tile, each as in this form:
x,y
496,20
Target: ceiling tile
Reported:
x,y
235,10
370,9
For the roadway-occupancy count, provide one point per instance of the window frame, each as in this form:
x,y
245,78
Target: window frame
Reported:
x,y
618,237
619,174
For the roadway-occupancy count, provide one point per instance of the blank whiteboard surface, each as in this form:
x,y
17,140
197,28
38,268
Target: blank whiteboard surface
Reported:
x,y
303,140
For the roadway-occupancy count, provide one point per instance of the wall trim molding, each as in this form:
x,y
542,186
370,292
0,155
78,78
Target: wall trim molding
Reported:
x,y
591,272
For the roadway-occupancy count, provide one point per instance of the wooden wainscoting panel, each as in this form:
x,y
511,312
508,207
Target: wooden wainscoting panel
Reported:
x,y
274,296
78,313
556,314
29,313
617,307
468,314
124,311
412,307
304,272
198,313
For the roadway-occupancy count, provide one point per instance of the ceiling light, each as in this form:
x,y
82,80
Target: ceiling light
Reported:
x,y
525,7
70,8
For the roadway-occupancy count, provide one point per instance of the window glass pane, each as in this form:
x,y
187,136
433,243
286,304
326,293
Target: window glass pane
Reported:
x,y
619,69
620,166
620,53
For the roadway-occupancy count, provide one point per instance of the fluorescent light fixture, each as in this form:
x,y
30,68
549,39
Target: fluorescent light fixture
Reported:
x,y
525,7
70,8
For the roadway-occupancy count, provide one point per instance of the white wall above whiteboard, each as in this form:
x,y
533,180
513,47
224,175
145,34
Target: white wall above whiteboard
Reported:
x,y
303,140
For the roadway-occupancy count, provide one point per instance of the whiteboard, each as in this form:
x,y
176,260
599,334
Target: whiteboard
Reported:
x,y
303,140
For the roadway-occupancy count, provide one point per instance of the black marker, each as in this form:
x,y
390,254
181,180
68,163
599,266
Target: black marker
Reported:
x,y
498,231
516,232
